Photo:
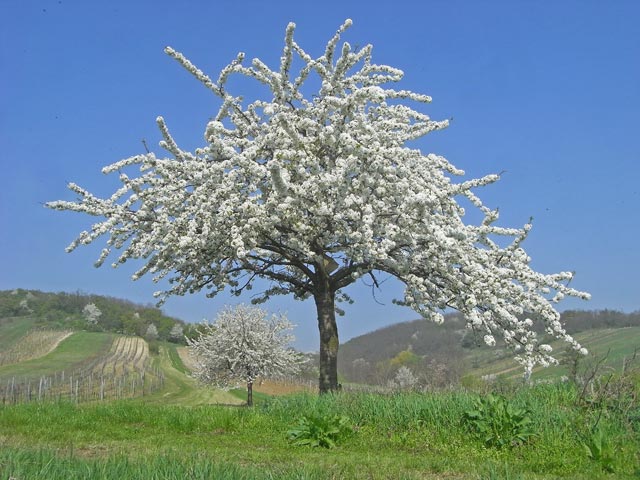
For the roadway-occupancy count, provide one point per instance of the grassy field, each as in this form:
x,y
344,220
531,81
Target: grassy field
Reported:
x,y
185,430
412,436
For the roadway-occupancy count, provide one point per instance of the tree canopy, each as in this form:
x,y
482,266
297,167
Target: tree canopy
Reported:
x,y
311,191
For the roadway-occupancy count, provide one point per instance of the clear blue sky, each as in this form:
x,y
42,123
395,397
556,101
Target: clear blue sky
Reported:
x,y
547,91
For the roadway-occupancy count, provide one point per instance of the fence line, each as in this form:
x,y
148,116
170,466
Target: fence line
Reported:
x,y
81,387
122,372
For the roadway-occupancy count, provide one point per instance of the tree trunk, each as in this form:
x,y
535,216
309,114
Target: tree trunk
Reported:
x,y
325,306
249,394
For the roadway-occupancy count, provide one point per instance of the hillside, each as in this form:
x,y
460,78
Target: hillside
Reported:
x,y
86,348
70,379
443,354
82,311
608,349
82,366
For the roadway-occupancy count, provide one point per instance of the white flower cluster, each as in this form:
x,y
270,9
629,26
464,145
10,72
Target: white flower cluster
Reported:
x,y
151,333
242,345
285,187
404,380
91,313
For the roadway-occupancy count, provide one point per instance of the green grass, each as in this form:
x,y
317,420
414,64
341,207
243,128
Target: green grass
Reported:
x,y
12,329
176,361
396,436
241,394
186,431
75,351
180,389
47,465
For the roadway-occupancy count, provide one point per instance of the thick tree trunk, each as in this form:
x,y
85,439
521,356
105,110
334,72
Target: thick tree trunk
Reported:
x,y
249,394
325,306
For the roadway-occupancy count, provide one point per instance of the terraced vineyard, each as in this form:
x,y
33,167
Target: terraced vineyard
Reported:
x,y
102,367
36,343
127,354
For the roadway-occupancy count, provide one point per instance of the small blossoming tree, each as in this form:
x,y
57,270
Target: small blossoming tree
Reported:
x,y
177,333
91,314
243,345
404,380
311,192
151,333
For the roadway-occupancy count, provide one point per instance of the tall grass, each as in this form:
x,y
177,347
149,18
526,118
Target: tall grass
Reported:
x,y
49,465
394,436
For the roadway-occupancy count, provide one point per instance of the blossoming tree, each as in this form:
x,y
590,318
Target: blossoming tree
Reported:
x,y
91,314
244,344
311,191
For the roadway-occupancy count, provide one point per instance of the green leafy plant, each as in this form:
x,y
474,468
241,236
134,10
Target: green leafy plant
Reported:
x,y
598,449
499,423
318,431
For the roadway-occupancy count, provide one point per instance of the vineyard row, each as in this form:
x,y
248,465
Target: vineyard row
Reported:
x,y
125,371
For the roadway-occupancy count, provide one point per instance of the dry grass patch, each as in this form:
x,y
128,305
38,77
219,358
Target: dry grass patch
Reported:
x,y
275,387
187,358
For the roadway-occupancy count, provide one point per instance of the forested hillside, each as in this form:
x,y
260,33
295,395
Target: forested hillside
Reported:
x,y
83,311
441,354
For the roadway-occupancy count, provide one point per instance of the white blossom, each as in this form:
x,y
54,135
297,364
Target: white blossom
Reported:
x,y
489,340
404,379
176,332
152,332
282,185
24,304
242,345
91,314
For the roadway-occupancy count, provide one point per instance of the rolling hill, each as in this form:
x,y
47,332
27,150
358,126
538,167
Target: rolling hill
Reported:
x,y
71,311
45,337
50,350
452,351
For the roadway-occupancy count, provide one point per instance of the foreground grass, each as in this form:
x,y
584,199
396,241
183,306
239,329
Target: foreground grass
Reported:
x,y
399,436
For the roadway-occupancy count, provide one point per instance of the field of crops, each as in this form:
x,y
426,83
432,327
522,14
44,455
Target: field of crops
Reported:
x,y
121,368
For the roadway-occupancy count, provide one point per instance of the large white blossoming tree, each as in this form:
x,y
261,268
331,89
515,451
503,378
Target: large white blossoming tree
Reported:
x,y
244,344
312,189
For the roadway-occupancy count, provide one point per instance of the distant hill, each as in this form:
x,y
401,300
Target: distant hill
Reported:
x,y
83,311
442,354
87,348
